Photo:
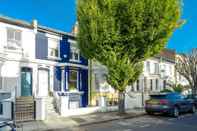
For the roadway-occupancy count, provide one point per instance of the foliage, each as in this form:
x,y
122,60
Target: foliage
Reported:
x,y
187,67
178,88
175,88
121,34
166,91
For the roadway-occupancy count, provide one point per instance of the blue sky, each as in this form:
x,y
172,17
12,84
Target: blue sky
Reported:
x,y
61,14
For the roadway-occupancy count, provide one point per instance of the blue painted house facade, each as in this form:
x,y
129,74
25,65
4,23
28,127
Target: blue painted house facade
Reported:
x,y
70,72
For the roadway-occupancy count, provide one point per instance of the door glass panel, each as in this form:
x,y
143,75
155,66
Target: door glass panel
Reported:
x,y
26,82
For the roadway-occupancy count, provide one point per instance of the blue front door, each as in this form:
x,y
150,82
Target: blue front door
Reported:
x,y
26,82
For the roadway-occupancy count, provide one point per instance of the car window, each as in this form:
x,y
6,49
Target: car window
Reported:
x,y
158,96
182,97
191,97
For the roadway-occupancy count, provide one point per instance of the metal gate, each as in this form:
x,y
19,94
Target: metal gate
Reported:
x,y
24,109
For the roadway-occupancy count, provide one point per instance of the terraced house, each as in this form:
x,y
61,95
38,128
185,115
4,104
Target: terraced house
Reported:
x,y
158,73
41,69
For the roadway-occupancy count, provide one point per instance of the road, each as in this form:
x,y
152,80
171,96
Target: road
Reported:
x,y
187,122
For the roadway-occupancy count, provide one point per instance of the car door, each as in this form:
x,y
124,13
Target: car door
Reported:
x,y
187,103
180,101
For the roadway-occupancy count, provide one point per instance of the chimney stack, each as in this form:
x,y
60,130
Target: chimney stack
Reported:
x,y
75,29
35,25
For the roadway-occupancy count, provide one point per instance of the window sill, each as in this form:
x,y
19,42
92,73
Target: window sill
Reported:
x,y
53,58
154,73
77,61
67,93
17,50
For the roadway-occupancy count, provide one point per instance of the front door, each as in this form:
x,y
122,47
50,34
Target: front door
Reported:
x,y
43,82
26,81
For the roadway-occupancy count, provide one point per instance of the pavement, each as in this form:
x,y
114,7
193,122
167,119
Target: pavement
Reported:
x,y
69,123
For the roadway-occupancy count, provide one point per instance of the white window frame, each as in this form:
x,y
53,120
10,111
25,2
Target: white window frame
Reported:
x,y
76,80
58,48
148,66
13,44
156,68
73,51
63,80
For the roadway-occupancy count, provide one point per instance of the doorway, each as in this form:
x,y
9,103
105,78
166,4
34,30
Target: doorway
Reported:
x,y
26,81
43,82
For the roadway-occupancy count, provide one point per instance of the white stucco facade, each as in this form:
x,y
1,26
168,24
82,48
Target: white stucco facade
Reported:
x,y
158,74
12,60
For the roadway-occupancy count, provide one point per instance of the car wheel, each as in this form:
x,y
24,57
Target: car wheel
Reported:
x,y
193,110
175,112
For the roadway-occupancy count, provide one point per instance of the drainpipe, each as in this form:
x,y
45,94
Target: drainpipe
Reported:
x,y
90,82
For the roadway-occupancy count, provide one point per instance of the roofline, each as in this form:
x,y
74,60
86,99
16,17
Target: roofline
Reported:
x,y
17,22
26,24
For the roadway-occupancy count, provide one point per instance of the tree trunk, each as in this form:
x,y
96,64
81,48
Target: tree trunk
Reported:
x,y
121,102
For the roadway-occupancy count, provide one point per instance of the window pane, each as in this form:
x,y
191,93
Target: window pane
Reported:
x,y
138,85
148,66
73,80
53,47
14,39
76,56
151,84
17,35
71,55
53,52
73,75
10,34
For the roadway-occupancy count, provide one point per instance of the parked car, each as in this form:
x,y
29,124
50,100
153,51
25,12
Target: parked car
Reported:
x,y
193,97
169,103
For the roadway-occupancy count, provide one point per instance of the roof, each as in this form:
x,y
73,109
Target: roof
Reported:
x,y
26,24
168,55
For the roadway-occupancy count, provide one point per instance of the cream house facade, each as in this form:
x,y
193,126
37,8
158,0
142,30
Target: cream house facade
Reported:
x,y
158,74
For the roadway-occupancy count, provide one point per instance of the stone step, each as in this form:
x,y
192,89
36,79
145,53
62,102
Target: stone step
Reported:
x,y
51,111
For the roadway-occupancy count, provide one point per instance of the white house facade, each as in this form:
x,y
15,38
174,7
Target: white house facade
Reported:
x,y
41,71
158,74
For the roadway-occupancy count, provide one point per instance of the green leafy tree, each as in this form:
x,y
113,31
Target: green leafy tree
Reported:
x,y
178,88
121,34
